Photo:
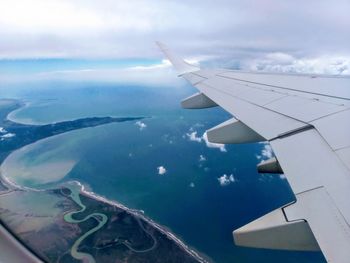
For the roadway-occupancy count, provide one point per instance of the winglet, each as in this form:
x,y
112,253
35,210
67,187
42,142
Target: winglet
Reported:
x,y
179,64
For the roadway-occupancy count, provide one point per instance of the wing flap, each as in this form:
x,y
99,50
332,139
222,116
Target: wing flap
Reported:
x,y
309,163
313,222
335,129
344,155
197,101
233,131
327,223
274,231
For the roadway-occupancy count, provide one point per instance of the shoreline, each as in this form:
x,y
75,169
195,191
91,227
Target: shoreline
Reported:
x,y
25,104
141,215
136,213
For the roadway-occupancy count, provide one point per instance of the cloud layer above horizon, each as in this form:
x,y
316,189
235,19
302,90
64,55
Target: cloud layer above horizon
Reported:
x,y
297,36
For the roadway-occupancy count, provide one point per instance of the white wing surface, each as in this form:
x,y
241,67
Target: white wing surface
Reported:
x,y
306,119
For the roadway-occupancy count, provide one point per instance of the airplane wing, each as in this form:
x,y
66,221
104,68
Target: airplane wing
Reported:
x,y
306,120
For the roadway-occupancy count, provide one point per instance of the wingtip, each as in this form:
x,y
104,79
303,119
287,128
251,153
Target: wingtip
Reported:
x,y
158,43
180,65
161,45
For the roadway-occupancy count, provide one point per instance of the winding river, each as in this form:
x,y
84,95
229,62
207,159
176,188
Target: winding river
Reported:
x,y
68,217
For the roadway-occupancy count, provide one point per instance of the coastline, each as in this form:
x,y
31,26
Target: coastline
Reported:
x,y
141,215
136,213
11,118
25,104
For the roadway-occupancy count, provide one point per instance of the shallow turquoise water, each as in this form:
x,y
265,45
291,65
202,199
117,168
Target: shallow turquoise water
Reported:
x,y
119,161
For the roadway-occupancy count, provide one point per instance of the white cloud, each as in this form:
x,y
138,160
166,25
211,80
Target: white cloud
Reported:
x,y
158,74
141,125
270,177
213,145
161,170
164,64
7,135
286,63
202,158
266,152
283,176
280,57
193,137
198,125
115,29
226,179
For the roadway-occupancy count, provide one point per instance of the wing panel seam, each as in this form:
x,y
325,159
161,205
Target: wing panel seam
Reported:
x,y
257,105
330,114
274,86
293,132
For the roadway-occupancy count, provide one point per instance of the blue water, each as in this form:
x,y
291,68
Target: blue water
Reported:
x,y
119,161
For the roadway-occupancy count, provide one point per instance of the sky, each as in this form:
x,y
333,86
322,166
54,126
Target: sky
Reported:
x,y
290,36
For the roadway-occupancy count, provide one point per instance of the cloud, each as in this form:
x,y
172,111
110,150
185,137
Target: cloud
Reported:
x,y
213,145
266,152
283,176
286,63
141,125
270,177
285,32
198,125
193,137
7,136
168,138
158,74
202,158
225,179
161,170
164,64
280,57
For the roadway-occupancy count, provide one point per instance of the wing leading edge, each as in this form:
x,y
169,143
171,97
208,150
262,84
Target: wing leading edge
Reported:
x,y
306,120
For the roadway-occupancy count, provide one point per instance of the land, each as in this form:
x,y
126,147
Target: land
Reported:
x,y
69,224
25,134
